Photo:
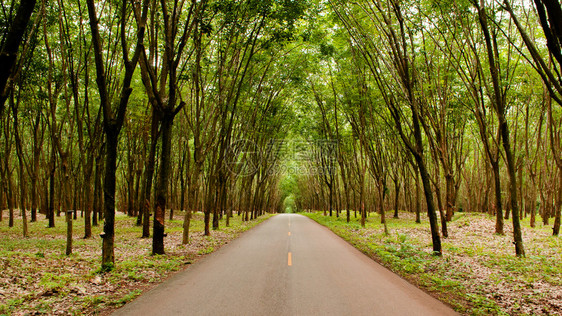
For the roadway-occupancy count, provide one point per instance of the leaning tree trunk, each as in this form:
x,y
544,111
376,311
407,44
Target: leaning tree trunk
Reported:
x,y
499,104
517,236
11,44
436,240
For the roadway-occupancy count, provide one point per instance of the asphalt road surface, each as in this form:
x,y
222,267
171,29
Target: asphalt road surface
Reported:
x,y
288,265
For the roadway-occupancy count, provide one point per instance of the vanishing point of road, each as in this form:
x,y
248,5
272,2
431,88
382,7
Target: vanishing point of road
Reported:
x,y
287,265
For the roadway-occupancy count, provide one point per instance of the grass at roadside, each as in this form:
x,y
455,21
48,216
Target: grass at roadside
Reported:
x,y
478,273
37,278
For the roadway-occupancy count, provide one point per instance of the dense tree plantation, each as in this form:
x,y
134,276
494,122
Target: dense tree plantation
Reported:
x,y
234,109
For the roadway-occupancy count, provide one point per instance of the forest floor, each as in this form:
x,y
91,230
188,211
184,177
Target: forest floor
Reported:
x,y
478,273
38,278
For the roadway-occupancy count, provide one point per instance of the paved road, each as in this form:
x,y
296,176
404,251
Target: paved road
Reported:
x,y
288,265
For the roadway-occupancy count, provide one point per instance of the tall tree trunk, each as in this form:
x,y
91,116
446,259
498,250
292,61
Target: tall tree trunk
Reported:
x,y
498,196
98,197
558,205
436,240
517,236
2,194
52,169
442,215
449,196
10,200
499,105
193,201
88,202
161,189
108,235
149,175
418,197
382,193
396,195
65,201
21,170
35,170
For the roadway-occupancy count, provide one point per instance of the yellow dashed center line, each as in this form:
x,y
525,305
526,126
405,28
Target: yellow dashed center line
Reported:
x,y
289,260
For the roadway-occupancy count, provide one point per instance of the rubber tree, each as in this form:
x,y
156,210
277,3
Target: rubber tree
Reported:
x,y
400,89
114,110
549,13
499,105
162,85
11,42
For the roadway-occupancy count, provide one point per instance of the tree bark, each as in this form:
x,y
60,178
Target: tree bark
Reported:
x,y
498,196
498,102
108,235
558,206
10,47
162,185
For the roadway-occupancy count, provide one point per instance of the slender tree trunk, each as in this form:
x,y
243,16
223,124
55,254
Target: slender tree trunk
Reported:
x,y
34,178
517,236
498,195
442,215
171,202
192,205
68,232
136,204
532,206
98,205
2,194
396,196
65,198
449,196
130,182
558,206
51,211
436,240
10,200
21,170
331,198
381,205
193,197
149,174
88,198
362,199
418,197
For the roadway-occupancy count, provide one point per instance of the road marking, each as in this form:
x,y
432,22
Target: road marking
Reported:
x,y
289,260
289,234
